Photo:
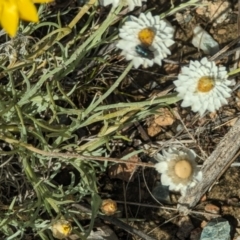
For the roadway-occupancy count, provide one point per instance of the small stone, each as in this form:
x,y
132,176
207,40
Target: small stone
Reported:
x,y
164,117
203,223
179,18
153,129
233,201
183,18
211,208
201,10
222,31
204,41
217,228
203,198
224,208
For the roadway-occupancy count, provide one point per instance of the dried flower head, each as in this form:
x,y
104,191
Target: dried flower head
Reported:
x,y
109,207
178,168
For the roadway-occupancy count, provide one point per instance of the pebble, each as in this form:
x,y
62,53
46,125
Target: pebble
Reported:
x,y
203,198
217,228
211,208
222,31
224,208
204,41
233,201
203,223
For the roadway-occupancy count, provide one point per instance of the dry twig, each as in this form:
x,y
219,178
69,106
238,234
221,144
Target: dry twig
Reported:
x,y
213,168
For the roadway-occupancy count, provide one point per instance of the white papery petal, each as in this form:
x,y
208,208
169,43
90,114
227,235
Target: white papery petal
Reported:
x,y
115,3
192,184
166,181
178,187
186,86
161,167
192,155
183,190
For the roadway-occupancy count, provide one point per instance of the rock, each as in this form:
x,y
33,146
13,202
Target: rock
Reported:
x,y
211,208
217,228
204,41
222,31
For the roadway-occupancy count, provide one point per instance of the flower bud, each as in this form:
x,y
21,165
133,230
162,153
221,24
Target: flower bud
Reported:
x,y
109,207
61,229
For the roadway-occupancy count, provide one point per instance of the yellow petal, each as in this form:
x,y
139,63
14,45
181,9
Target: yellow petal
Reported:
x,y
42,1
27,10
9,17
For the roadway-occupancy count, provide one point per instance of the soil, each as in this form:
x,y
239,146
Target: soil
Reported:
x,y
223,198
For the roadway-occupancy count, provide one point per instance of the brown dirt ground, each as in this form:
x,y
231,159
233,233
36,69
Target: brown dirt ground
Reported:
x,y
225,194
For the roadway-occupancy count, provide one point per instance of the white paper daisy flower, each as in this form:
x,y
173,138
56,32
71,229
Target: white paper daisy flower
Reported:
x,y
203,86
146,40
178,168
130,3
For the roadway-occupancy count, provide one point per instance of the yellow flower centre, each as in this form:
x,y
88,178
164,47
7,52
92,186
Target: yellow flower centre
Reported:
x,y
183,169
205,84
146,36
66,229
61,229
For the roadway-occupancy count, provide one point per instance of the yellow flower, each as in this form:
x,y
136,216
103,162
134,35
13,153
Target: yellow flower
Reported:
x,y
13,10
61,229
